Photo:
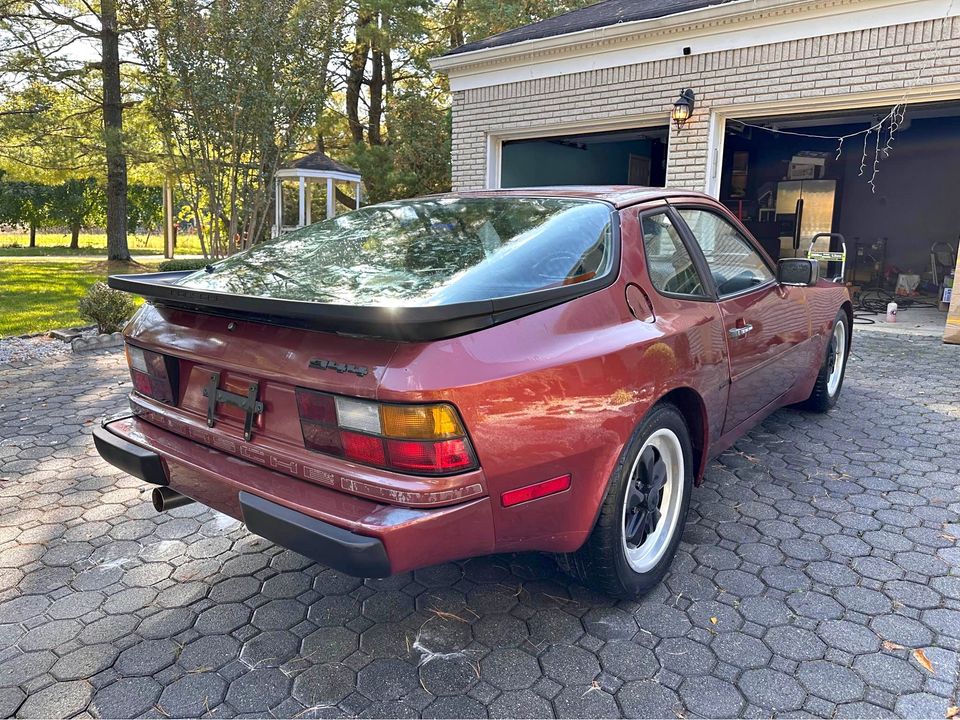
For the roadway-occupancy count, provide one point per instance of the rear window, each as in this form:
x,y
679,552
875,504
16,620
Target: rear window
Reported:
x,y
426,252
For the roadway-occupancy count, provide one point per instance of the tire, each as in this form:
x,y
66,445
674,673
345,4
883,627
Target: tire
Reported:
x,y
660,449
830,378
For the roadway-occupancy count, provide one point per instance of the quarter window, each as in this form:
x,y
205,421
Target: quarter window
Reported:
x,y
669,265
734,264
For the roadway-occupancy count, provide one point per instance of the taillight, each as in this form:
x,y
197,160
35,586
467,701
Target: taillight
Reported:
x,y
153,374
419,439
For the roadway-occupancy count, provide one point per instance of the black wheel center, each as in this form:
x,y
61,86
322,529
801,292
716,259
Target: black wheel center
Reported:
x,y
832,356
643,498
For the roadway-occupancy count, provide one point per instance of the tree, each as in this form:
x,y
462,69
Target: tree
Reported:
x,y
25,204
462,21
38,38
77,204
416,158
395,109
144,206
235,84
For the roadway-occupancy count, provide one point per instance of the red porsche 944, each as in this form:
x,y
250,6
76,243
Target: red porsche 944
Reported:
x,y
433,379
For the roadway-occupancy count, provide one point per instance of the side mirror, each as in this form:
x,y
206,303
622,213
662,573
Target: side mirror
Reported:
x,y
798,271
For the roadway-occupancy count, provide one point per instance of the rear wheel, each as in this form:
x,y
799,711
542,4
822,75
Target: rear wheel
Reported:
x,y
830,378
642,516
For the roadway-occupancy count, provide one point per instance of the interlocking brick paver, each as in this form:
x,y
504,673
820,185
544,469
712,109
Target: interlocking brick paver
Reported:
x,y
193,695
58,700
811,543
520,704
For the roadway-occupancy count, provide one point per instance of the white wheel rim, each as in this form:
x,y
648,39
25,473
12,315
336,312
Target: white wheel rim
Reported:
x,y
644,556
838,356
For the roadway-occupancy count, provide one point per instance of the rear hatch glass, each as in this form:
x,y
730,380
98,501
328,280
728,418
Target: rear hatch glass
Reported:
x,y
434,251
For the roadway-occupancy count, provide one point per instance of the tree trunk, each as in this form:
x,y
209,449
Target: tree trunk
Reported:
x,y
388,90
376,99
358,63
75,239
456,26
343,198
33,234
113,134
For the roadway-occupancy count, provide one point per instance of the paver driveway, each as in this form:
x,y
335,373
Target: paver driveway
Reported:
x,y
818,556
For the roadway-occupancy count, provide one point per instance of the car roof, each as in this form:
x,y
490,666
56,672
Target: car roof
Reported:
x,y
617,195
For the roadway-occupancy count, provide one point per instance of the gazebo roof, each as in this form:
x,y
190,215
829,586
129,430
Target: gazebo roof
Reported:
x,y
317,162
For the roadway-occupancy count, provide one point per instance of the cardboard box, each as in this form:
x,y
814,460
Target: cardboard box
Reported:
x,y
809,165
951,333
804,171
812,157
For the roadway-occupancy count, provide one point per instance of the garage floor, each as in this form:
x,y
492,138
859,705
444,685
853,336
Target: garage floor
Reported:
x,y
913,321
818,575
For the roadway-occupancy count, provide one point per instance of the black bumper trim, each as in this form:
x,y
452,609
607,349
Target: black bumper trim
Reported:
x,y
132,459
329,545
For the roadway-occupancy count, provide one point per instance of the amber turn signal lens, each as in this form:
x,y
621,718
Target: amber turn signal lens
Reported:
x,y
420,422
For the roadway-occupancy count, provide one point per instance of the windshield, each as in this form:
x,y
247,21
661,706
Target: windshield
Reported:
x,y
426,252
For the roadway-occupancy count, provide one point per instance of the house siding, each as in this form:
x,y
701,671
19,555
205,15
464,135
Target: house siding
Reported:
x,y
862,61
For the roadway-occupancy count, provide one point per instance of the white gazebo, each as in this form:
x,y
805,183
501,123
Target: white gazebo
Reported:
x,y
307,171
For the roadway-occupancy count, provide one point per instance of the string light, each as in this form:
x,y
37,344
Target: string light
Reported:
x,y
876,164
863,158
893,120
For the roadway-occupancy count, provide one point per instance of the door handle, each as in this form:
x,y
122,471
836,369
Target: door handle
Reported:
x,y
739,332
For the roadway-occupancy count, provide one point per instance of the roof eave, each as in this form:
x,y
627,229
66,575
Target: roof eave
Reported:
x,y
634,30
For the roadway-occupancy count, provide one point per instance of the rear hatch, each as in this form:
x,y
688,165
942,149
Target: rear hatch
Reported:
x,y
324,309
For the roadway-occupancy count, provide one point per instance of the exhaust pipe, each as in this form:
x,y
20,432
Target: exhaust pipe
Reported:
x,y
167,499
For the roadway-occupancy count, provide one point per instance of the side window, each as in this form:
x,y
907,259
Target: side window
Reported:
x,y
733,262
669,264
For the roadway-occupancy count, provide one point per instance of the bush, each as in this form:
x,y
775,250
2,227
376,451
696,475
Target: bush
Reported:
x,y
174,265
109,309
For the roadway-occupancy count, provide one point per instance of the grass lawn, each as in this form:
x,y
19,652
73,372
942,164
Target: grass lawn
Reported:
x,y
35,297
16,244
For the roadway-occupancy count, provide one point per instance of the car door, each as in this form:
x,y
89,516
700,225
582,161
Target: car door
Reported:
x,y
691,349
767,324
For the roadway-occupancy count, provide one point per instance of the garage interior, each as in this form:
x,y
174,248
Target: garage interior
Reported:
x,y
621,157
786,186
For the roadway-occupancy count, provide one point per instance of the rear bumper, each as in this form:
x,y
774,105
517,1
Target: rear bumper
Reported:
x,y
327,544
351,534
132,459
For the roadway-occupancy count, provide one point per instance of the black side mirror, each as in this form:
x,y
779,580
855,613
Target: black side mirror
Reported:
x,y
798,271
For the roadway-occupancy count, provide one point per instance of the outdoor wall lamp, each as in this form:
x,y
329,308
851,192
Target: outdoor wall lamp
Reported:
x,y
683,108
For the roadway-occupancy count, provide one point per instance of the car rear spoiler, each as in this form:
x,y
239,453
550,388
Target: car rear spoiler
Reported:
x,y
412,324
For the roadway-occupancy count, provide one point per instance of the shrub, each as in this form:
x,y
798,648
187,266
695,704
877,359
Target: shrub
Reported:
x,y
109,309
174,265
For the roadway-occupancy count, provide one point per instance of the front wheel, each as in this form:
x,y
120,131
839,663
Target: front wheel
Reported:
x,y
642,516
830,378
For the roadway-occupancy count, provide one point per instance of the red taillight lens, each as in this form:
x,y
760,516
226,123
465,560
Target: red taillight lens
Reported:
x,y
363,448
442,456
152,374
414,439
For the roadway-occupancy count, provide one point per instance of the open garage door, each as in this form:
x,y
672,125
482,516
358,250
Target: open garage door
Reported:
x,y
787,185
622,157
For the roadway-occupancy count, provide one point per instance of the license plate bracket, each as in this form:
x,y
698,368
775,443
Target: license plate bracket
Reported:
x,y
248,403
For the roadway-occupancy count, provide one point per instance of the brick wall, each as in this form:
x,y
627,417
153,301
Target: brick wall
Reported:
x,y
861,61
